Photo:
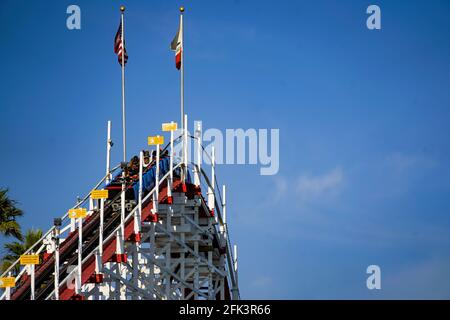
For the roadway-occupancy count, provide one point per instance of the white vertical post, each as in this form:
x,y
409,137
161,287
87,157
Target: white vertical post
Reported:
x,y
72,225
80,251
122,210
99,253
224,210
185,147
98,262
119,243
138,216
100,235
198,135
31,266
56,244
211,197
108,154
170,182
8,290
156,195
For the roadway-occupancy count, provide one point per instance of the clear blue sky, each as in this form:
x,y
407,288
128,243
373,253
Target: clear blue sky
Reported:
x,y
363,117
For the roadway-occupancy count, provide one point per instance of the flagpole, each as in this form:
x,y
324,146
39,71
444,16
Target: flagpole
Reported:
x,y
184,168
124,135
122,213
182,67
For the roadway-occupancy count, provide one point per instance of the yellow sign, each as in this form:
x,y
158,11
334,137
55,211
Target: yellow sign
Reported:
x,y
99,194
7,282
29,259
155,140
171,126
77,213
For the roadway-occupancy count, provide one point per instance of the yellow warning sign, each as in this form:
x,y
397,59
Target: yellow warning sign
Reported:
x,y
170,126
7,282
77,213
99,194
29,259
155,140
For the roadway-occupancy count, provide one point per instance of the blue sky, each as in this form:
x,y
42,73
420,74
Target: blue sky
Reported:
x,y
363,116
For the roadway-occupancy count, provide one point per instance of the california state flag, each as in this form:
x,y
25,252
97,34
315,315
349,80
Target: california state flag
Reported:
x,y
177,45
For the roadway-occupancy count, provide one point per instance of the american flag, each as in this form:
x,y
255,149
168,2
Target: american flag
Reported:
x,y
118,46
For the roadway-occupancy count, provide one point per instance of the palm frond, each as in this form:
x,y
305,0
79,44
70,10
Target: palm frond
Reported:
x,y
8,214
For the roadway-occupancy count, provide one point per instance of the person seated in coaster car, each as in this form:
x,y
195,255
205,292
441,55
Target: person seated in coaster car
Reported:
x,y
133,168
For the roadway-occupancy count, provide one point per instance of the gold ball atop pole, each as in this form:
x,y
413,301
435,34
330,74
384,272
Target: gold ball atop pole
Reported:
x,y
181,9
122,8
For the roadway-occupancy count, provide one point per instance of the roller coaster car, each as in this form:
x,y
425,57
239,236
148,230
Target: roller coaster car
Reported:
x,y
132,177
115,187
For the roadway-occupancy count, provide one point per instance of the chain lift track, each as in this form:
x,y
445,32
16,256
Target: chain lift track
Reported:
x,y
155,236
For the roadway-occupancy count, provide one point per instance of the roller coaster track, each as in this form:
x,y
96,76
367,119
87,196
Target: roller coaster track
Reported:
x,y
155,236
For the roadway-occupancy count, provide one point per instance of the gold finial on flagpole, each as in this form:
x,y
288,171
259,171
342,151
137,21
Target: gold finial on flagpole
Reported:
x,y
181,9
122,8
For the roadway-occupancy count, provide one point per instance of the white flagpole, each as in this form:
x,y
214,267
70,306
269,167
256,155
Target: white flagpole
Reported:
x,y
122,215
182,67
122,9
183,128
